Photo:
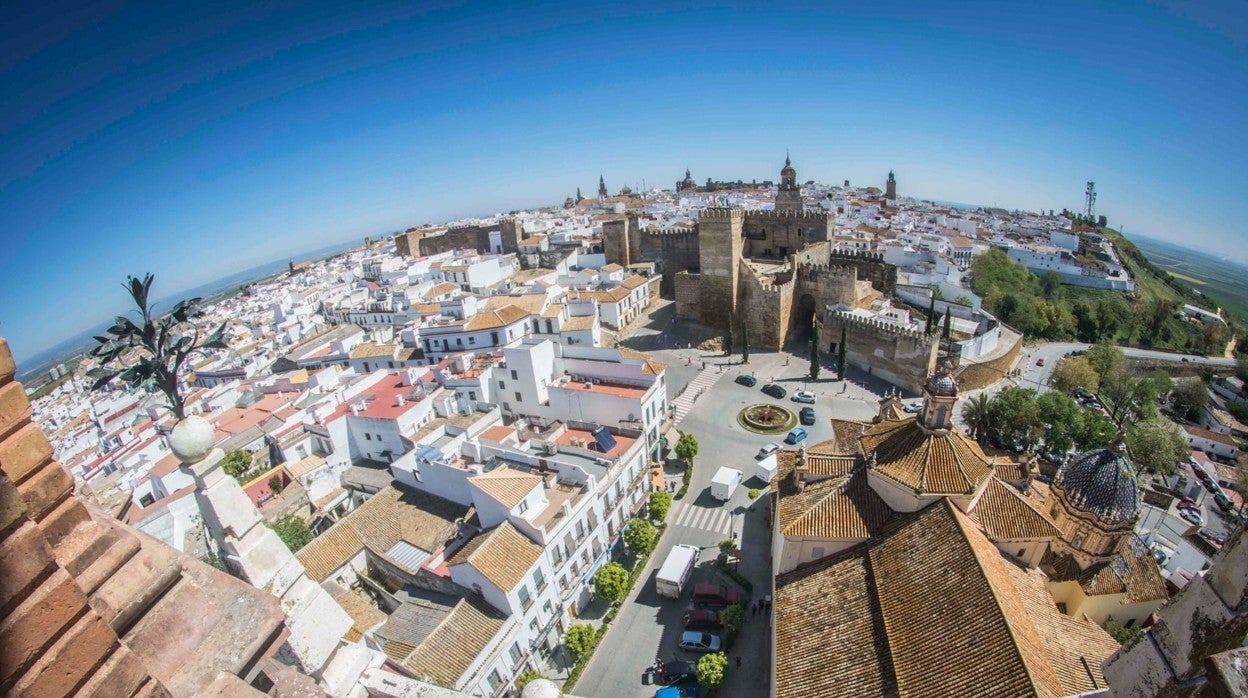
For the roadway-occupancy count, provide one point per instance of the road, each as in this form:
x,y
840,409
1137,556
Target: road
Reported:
x,y
648,624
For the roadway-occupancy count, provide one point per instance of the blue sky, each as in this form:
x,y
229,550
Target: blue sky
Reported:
x,y
194,141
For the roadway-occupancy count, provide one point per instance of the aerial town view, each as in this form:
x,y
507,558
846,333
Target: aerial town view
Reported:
x,y
757,351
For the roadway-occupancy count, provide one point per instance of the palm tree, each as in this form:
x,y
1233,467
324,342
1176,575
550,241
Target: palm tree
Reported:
x,y
978,415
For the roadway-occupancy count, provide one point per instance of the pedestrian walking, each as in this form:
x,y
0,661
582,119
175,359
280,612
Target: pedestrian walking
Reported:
x,y
738,661
754,608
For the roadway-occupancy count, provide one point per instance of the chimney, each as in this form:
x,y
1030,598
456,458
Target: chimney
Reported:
x,y
399,401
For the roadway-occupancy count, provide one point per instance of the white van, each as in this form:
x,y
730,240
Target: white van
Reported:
x,y
674,574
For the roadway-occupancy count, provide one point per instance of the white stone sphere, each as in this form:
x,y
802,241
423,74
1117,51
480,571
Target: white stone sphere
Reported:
x,y
541,688
192,439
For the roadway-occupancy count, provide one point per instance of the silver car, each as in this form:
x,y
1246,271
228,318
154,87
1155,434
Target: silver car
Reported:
x,y
695,641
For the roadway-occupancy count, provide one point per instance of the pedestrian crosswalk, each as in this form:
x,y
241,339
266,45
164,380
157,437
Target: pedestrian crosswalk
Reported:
x,y
700,384
691,515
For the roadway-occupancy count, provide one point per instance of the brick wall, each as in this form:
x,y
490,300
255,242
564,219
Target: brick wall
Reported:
x,y
90,607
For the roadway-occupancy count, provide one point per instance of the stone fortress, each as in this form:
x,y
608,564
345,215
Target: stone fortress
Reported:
x,y
776,273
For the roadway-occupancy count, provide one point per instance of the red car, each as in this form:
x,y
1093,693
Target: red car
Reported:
x,y
701,619
1040,361
715,595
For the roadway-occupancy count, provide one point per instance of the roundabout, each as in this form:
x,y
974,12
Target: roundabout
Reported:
x,y
767,419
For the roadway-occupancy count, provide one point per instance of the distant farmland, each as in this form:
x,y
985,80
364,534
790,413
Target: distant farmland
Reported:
x,y
1223,281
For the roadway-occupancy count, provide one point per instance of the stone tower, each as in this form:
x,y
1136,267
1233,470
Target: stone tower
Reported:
x,y
720,246
890,189
789,196
602,188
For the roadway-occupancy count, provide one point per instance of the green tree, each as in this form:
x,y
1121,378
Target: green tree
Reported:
x,y
580,639
978,415
814,352
293,531
729,335
842,361
1156,445
526,676
1241,367
937,294
945,335
236,463
611,582
276,485
1161,381
1059,419
639,536
712,669
1074,372
733,617
1104,358
745,342
1016,418
1050,284
1238,410
931,314
1189,398
687,447
660,503
1129,397
963,299
1095,430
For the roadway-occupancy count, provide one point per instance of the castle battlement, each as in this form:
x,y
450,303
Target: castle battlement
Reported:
x,y
670,231
813,269
879,327
722,212
810,215
856,255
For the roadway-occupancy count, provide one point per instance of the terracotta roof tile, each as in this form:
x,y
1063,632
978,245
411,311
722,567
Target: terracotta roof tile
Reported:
x,y
934,462
1005,514
840,506
502,555
502,317
505,485
451,649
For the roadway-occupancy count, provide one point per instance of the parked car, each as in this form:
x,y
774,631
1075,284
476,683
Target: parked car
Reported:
x,y
1040,361
678,670
774,390
912,408
1083,393
701,619
796,434
1187,503
697,641
1225,503
1192,516
803,396
747,380
807,415
715,595
677,692
767,450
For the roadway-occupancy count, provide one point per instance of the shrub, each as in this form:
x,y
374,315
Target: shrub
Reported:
x,y
275,484
236,463
722,564
529,675
753,493
293,531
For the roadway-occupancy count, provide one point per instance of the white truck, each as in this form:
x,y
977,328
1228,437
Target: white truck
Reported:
x,y
765,467
675,572
725,483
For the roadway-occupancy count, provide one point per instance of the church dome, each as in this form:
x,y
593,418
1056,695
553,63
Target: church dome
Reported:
x,y
788,172
1101,482
942,382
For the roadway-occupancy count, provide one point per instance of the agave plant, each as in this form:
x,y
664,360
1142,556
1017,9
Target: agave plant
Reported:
x,y
150,356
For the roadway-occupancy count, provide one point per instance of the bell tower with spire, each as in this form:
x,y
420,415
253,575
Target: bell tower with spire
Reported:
x,y
602,188
789,195
890,187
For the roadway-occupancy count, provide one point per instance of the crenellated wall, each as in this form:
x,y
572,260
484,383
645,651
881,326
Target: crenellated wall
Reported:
x,y
720,248
778,234
870,266
766,305
900,356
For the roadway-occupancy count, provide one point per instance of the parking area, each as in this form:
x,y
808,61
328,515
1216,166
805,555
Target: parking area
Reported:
x,y
649,625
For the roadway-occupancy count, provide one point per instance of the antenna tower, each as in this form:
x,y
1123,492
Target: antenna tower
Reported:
x,y
1089,207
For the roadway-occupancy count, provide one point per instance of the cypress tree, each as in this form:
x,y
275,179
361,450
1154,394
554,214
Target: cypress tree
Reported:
x,y
814,351
946,334
745,342
728,338
931,312
840,355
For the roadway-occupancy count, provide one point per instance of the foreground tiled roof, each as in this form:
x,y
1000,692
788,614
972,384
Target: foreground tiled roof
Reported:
x,y
934,462
450,649
491,319
845,435
502,555
841,506
1005,514
928,608
391,515
1132,572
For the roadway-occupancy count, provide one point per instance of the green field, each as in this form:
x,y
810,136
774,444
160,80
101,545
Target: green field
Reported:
x,y
1223,281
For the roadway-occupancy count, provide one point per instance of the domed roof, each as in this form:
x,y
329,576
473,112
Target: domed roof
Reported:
x,y
788,170
942,382
541,688
1101,482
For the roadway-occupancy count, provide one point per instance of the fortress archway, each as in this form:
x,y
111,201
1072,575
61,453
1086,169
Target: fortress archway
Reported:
x,y
801,321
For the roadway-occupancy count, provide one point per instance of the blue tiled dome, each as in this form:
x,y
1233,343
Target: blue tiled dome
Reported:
x,y
1101,482
942,384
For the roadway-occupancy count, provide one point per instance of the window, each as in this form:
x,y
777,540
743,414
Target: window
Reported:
x,y
1021,551
472,395
533,626
548,609
459,341
514,376
524,506
1078,540
516,654
495,680
378,437
472,340
502,385
525,599
539,579
368,436
816,552
518,398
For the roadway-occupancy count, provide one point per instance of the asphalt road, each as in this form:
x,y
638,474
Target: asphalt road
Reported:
x,y
649,624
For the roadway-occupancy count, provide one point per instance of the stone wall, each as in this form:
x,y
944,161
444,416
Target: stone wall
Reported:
x,y
870,266
766,307
615,242
469,237
974,376
719,253
899,356
778,234
688,289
